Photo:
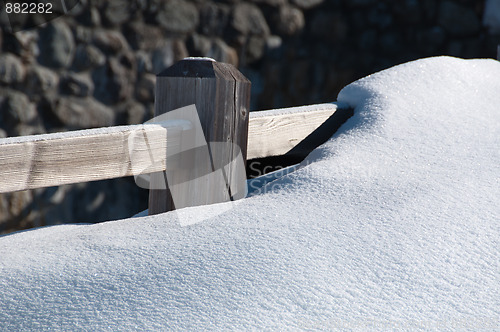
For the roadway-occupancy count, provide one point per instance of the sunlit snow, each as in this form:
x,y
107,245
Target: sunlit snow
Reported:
x,y
393,223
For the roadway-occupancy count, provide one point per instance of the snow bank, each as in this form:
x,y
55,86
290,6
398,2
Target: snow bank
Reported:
x,y
393,223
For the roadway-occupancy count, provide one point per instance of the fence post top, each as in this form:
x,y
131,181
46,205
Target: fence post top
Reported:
x,y
203,67
198,58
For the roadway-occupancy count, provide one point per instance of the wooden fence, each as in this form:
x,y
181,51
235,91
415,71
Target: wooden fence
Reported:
x,y
221,95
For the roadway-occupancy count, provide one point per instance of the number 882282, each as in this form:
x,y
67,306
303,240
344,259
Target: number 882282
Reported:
x,y
28,8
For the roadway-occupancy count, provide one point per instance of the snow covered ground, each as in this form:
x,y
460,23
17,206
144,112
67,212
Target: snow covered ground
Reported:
x,y
392,224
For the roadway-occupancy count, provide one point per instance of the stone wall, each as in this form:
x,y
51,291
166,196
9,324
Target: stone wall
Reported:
x,y
96,67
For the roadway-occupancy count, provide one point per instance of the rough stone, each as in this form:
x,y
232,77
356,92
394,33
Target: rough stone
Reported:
x,y
221,52
163,57
56,44
215,48
145,88
199,45
170,52
16,108
247,19
11,69
214,18
46,106
458,20
102,203
254,48
116,12
143,37
79,85
83,113
23,129
90,17
87,57
52,206
40,80
113,83
76,7
83,35
37,19
251,30
180,50
131,113
178,16
306,4
13,23
13,212
109,41
274,47
143,62
290,20
23,44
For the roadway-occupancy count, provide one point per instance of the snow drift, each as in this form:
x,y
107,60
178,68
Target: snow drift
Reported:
x,y
393,223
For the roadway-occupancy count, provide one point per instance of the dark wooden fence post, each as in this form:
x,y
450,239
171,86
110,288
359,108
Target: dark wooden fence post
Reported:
x,y
222,96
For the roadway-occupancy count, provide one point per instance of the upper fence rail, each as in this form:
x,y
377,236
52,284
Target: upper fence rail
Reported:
x,y
38,161
47,160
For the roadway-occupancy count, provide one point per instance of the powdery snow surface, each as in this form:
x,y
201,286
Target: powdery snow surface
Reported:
x,y
392,224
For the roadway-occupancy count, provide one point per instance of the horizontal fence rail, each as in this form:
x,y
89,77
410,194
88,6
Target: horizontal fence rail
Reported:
x,y
47,160
31,162
276,132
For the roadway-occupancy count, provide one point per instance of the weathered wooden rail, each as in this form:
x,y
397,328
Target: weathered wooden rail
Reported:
x,y
30,162
38,161
276,132
221,95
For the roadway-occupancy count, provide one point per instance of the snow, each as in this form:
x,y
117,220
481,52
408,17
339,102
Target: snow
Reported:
x,y
94,132
391,224
197,58
491,16
68,134
299,109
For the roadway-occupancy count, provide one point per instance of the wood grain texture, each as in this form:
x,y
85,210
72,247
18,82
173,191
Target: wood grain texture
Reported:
x,y
221,95
276,132
88,155
80,156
